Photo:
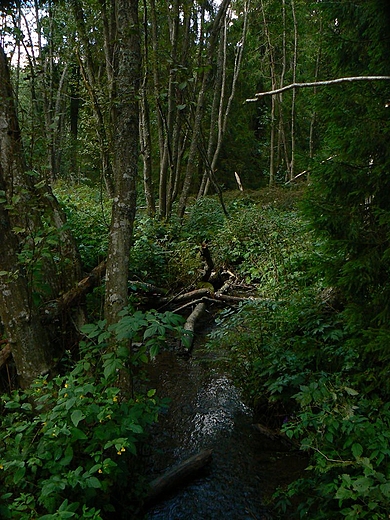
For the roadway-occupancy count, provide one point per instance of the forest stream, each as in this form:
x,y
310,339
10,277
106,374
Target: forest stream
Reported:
x,y
207,412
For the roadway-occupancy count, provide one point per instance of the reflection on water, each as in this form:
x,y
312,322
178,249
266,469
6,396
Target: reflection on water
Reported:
x,y
206,412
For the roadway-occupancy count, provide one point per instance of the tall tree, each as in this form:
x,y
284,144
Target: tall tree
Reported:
x,y
126,151
24,208
350,182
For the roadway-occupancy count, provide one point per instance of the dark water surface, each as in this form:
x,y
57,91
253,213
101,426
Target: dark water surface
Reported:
x,y
206,412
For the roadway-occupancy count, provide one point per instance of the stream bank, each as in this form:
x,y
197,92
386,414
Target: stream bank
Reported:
x,y
206,411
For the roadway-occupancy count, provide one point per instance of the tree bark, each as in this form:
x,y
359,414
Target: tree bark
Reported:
x,y
126,151
293,101
273,100
20,219
145,137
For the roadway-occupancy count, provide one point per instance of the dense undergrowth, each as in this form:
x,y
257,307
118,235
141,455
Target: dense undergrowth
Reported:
x,y
69,445
304,359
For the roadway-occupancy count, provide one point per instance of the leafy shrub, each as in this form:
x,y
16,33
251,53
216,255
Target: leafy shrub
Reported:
x,y
205,220
266,246
68,445
348,436
299,360
88,216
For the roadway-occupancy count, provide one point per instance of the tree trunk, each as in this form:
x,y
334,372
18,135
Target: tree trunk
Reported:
x,y
29,340
273,101
88,75
295,57
26,210
145,137
199,111
126,151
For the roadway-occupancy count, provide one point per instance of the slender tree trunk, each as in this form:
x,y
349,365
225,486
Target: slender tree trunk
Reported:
x,y
224,110
145,137
314,114
283,154
157,93
166,162
293,102
273,101
74,110
192,156
126,152
88,75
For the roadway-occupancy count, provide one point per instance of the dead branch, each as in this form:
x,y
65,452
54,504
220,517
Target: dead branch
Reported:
x,y
317,84
196,293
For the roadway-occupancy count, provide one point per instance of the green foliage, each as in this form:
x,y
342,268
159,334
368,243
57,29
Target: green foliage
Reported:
x,y
301,368
306,359
265,245
205,220
68,445
88,216
348,436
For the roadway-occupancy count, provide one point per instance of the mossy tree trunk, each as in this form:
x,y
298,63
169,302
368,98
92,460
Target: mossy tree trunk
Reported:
x,y
125,162
23,208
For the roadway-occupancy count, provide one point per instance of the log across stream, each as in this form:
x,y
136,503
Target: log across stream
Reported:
x,y
207,413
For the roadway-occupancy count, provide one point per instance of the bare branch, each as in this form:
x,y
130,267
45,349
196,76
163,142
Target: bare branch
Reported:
x,y
317,84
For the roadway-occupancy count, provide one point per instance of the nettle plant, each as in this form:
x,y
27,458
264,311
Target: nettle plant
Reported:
x,y
68,446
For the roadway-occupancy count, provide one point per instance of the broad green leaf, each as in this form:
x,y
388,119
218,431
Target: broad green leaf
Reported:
x,y
76,417
93,482
357,450
362,484
19,474
385,489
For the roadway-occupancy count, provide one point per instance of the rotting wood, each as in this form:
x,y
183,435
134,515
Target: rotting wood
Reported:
x,y
178,475
205,254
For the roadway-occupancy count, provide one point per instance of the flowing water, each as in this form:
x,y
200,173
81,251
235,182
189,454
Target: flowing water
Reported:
x,y
207,412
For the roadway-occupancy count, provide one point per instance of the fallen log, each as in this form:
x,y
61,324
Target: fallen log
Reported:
x,y
178,475
73,297
189,325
